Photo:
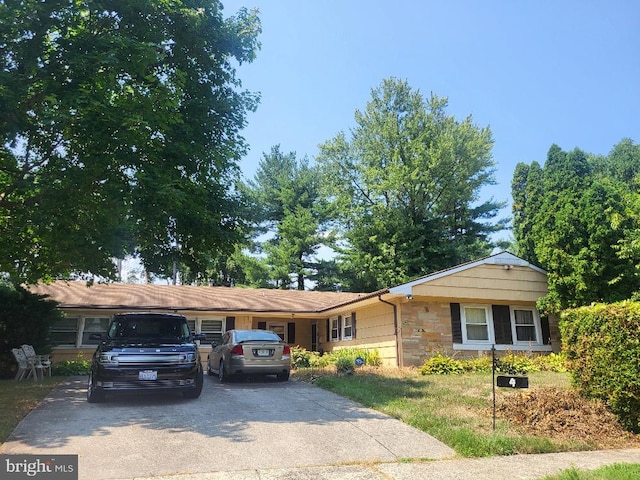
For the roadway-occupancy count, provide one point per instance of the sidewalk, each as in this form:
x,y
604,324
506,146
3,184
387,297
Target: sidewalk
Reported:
x,y
516,467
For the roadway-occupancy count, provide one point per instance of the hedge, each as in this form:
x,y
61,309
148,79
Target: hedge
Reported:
x,y
602,343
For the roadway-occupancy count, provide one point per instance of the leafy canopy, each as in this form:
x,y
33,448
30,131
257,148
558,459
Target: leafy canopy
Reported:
x,y
119,133
406,185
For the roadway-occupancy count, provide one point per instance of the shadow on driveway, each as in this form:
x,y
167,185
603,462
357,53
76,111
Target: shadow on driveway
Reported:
x,y
232,426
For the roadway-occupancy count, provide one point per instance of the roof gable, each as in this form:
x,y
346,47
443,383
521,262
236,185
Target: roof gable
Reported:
x,y
501,258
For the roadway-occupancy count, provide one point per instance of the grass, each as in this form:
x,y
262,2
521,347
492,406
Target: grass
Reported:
x,y
18,398
455,409
617,471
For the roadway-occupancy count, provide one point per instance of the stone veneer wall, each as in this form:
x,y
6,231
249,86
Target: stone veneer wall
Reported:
x,y
426,329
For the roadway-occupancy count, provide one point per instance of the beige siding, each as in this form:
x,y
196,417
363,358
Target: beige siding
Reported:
x,y
374,331
488,282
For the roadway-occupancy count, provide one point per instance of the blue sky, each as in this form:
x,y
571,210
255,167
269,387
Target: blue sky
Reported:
x,y
537,72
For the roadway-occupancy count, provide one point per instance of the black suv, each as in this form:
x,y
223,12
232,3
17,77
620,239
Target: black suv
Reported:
x,y
146,351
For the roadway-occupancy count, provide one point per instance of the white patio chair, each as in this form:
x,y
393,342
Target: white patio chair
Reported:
x,y
26,368
41,363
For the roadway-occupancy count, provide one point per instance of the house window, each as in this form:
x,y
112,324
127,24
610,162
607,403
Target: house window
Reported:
x,y
525,326
212,329
64,332
475,323
335,329
94,325
347,327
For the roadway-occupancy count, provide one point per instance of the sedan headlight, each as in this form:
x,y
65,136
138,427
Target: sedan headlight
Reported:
x,y
188,357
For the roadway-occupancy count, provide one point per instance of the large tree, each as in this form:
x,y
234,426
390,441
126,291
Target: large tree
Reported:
x,y
119,133
576,217
290,217
406,183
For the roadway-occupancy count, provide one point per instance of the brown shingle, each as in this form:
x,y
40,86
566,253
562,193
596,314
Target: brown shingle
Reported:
x,y
183,297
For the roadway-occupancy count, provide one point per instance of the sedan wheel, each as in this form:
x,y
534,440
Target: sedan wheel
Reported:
x,y
209,371
222,374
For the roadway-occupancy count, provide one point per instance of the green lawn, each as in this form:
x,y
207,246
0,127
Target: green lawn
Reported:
x,y
618,471
456,409
18,398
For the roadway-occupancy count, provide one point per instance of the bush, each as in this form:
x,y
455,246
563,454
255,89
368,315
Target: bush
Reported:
x,y
441,365
344,359
602,343
68,368
509,363
25,318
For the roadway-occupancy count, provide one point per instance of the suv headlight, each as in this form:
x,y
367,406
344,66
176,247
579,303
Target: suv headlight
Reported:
x,y
108,359
188,357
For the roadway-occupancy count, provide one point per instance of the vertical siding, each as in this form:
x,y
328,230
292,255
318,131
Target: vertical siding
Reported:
x,y
374,330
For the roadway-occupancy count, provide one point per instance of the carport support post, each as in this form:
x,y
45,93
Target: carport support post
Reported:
x,y
493,382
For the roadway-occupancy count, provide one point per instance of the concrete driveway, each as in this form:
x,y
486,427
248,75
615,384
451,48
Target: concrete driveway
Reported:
x,y
233,426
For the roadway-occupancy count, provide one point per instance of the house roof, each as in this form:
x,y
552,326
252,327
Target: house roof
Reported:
x,y
78,295
123,296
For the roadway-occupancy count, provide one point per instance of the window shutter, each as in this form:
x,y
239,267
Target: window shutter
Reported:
x,y
502,324
291,332
328,330
230,323
353,325
339,327
456,323
262,325
546,331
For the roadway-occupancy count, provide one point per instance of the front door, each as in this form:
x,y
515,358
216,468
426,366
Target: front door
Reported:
x,y
279,329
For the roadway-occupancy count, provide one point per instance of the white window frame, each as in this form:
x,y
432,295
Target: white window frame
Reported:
x,y
334,325
83,329
348,326
485,345
536,324
489,322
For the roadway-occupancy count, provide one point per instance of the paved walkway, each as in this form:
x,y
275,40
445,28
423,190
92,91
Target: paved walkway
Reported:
x,y
517,467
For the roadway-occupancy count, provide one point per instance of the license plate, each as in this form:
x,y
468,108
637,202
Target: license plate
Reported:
x,y
263,352
148,375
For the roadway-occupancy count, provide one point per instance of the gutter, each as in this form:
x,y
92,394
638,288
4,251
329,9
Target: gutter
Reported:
x,y
395,327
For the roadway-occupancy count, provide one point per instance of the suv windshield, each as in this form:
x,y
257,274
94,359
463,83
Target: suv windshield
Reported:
x,y
148,327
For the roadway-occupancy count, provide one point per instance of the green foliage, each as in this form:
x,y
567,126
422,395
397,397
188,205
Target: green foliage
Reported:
x,y
25,318
616,471
122,134
441,365
68,368
300,357
578,218
405,186
603,350
344,359
286,202
509,363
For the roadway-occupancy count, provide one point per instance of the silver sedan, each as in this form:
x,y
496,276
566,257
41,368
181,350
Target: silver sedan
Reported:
x,y
250,352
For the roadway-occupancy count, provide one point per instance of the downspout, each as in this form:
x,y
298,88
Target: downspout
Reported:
x,y
395,327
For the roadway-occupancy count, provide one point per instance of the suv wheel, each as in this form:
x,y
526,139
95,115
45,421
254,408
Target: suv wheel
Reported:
x,y
93,394
197,390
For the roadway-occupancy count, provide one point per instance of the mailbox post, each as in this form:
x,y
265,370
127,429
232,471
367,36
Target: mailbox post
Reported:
x,y
505,381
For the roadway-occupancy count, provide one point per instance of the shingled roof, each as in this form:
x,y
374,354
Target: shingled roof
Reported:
x,y
78,295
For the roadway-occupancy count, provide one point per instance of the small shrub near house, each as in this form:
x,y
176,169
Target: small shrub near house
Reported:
x,y
602,343
68,368
509,363
343,359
